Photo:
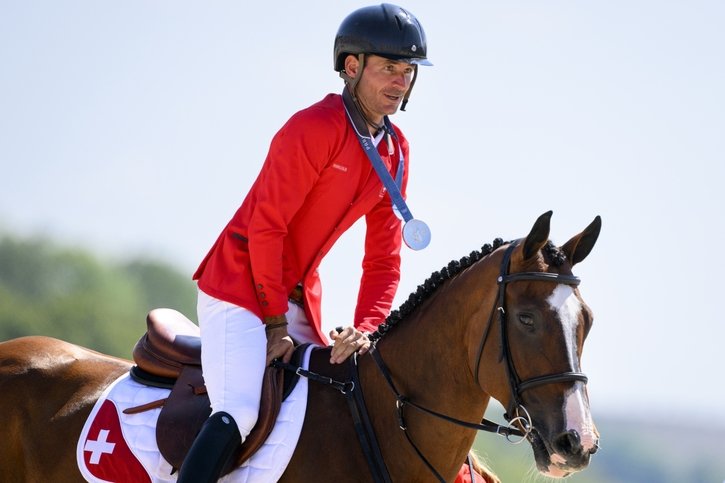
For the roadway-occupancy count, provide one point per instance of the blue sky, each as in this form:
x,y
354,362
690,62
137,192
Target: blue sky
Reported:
x,y
135,128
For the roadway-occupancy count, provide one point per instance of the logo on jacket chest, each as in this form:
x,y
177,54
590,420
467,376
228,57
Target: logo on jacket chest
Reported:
x,y
339,167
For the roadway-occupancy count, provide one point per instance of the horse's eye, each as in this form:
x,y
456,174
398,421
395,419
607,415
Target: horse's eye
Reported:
x,y
526,319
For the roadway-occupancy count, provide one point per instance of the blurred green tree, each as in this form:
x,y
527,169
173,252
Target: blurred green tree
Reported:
x,y
70,294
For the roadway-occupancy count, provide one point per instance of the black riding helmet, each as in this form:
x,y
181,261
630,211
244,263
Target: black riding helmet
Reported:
x,y
385,30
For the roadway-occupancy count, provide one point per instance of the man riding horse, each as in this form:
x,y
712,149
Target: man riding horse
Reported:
x,y
258,286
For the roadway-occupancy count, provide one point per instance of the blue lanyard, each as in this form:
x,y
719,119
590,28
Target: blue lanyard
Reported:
x,y
393,186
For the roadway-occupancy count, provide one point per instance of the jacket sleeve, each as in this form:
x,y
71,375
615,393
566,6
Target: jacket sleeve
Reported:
x,y
293,165
381,263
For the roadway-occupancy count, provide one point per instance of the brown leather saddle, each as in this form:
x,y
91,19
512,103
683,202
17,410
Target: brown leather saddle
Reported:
x,y
169,355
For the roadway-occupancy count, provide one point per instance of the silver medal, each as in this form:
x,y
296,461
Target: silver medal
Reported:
x,y
416,234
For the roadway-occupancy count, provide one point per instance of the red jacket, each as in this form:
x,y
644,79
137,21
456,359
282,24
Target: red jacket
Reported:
x,y
315,183
464,476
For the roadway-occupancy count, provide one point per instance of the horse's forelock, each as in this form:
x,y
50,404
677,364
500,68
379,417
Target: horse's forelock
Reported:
x,y
553,255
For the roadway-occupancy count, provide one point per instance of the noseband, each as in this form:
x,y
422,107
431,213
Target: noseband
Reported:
x,y
515,383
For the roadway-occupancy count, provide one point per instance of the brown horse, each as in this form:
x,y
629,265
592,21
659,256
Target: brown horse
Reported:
x,y
506,322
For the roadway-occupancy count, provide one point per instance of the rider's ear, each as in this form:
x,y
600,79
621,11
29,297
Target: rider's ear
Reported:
x,y
580,245
352,64
538,235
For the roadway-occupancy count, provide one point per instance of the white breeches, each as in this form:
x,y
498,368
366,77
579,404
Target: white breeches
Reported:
x,y
233,355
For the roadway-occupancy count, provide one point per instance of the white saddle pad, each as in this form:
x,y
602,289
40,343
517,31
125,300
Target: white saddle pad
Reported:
x,y
121,448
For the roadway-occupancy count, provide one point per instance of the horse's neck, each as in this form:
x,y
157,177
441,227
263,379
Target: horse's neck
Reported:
x,y
432,347
428,356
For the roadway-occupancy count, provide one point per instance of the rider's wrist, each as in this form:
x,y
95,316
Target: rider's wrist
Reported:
x,y
275,322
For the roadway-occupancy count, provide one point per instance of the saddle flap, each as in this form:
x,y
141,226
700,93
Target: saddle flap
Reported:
x,y
271,403
187,408
184,411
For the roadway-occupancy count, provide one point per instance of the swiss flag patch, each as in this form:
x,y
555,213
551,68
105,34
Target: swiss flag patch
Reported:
x,y
105,453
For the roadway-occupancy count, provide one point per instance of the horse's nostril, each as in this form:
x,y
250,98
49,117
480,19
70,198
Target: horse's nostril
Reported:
x,y
568,443
595,448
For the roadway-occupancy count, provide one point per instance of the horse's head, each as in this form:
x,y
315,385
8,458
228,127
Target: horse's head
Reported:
x,y
535,336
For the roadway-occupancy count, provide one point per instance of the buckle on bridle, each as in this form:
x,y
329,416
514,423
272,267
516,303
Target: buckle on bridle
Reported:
x,y
399,403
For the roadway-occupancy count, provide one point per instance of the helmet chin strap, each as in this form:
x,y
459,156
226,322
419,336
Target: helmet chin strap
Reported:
x,y
352,83
412,83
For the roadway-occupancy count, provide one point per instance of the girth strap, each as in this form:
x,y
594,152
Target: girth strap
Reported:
x,y
364,428
352,390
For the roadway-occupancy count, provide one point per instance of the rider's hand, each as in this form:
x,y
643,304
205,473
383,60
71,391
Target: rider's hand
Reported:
x,y
346,342
279,343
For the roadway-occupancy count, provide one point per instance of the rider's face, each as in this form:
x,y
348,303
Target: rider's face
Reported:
x,y
382,86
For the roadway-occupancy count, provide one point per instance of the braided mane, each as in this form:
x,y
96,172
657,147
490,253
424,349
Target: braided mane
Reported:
x,y
552,254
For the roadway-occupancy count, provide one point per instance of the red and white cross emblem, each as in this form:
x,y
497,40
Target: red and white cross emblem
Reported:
x,y
106,455
99,447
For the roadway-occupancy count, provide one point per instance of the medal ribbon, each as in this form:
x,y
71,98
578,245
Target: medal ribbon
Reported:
x,y
360,127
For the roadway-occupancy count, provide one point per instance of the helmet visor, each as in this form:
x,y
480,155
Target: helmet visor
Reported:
x,y
407,60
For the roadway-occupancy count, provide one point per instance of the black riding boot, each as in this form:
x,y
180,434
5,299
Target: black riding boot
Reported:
x,y
211,450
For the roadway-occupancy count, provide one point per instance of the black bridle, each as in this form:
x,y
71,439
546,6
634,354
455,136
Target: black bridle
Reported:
x,y
515,383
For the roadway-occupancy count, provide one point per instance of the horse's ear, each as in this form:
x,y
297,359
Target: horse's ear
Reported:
x,y
538,235
580,245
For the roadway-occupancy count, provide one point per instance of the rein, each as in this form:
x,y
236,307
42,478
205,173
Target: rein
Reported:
x,y
401,401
